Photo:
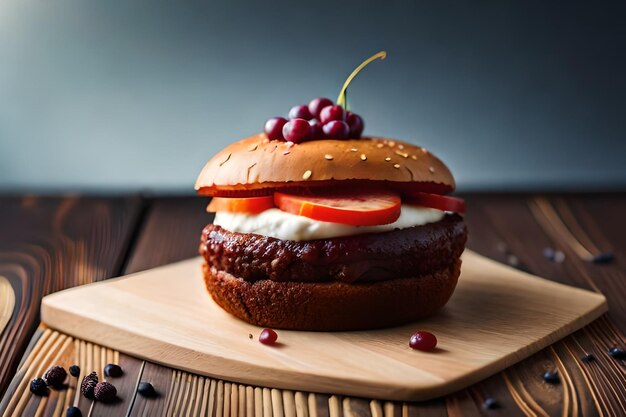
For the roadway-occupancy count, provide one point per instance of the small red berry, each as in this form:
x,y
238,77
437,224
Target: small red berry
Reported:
x,y
336,129
316,129
423,341
317,104
300,112
330,113
297,130
274,128
356,124
268,337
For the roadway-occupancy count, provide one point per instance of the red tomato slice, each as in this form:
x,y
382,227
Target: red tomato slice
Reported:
x,y
367,208
251,205
436,201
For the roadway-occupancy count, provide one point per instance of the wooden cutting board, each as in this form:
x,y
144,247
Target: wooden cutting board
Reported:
x,y
496,317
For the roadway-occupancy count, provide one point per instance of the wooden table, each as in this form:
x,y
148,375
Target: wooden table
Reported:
x,y
51,243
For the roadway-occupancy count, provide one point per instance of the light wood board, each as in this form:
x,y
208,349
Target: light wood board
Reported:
x,y
496,317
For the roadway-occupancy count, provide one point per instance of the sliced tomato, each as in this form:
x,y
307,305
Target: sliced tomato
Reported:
x,y
367,208
251,205
436,201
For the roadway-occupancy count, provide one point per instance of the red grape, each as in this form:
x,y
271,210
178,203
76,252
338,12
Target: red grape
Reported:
x,y
336,129
316,129
274,128
330,113
356,125
297,130
300,112
317,104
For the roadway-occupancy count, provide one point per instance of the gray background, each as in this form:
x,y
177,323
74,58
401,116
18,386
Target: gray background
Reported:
x,y
126,94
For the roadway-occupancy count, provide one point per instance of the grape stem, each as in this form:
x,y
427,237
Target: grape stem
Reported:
x,y
342,100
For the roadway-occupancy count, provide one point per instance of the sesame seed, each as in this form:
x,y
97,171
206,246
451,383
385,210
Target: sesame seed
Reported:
x,y
402,154
354,149
329,157
379,145
431,169
387,159
396,166
392,143
400,146
424,151
307,174
414,157
363,157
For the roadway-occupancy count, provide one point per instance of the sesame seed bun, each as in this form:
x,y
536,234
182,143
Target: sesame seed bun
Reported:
x,y
257,163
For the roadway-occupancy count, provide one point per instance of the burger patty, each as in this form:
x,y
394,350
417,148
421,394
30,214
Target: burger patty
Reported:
x,y
401,253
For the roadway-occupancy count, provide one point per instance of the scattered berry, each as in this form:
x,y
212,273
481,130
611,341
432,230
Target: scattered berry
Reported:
x,y
297,130
559,256
330,113
38,387
490,404
274,128
88,385
73,412
356,125
617,353
603,258
336,129
75,371
146,389
317,104
551,377
316,129
588,357
268,337
55,376
105,392
548,253
300,112
423,341
113,370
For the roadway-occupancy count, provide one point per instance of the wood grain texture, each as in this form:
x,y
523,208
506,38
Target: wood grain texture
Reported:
x,y
48,244
501,226
195,334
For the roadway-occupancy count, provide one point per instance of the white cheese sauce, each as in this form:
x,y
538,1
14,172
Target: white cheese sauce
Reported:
x,y
286,226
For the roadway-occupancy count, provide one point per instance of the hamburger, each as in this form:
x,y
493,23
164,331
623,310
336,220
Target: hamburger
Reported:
x,y
322,229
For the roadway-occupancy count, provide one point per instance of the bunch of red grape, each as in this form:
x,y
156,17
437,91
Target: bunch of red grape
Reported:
x,y
321,119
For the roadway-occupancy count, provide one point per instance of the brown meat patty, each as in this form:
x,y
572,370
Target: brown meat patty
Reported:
x,y
402,253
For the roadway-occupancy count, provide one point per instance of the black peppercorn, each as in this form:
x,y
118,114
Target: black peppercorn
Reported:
x,y
113,370
105,392
588,357
551,377
38,386
617,353
88,385
490,404
146,389
75,371
73,412
55,376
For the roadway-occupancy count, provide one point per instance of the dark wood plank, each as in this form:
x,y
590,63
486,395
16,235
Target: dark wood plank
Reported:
x,y
51,243
171,232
